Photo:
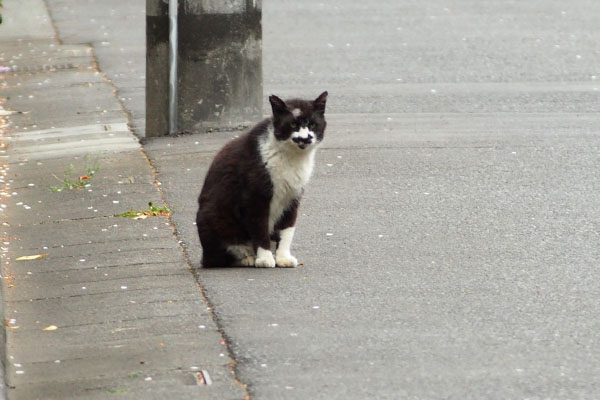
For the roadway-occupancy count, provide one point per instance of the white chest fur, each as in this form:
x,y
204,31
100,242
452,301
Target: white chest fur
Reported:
x,y
290,170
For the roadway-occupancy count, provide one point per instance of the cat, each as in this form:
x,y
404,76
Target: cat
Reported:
x,y
253,187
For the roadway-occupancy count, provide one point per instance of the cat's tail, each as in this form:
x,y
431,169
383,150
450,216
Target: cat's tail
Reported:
x,y
214,253
216,257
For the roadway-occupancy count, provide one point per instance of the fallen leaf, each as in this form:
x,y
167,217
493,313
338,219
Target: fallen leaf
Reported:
x,y
142,216
84,178
4,113
51,328
34,257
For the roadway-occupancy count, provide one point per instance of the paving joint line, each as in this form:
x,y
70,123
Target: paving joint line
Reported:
x,y
98,268
112,252
113,321
91,294
137,303
58,221
111,279
93,243
52,23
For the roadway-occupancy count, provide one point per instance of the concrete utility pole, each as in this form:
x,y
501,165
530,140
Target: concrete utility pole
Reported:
x,y
157,67
219,65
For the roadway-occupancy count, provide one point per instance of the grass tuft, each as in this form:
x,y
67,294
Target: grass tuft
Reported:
x,y
67,183
153,211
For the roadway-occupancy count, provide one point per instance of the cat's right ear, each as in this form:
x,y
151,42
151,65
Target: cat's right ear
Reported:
x,y
319,103
279,107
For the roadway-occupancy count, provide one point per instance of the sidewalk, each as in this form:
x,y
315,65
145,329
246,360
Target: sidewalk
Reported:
x,y
106,306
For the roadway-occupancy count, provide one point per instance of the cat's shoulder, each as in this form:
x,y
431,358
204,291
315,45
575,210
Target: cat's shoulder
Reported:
x,y
244,148
254,134
261,129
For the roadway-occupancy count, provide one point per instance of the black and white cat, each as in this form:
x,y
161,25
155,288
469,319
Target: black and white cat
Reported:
x,y
253,187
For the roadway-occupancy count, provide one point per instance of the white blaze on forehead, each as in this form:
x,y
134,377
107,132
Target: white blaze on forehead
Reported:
x,y
296,112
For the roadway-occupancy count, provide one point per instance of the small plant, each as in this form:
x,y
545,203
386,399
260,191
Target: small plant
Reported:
x,y
116,390
91,167
153,211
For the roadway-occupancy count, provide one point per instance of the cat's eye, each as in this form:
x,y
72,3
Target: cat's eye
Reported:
x,y
293,125
312,125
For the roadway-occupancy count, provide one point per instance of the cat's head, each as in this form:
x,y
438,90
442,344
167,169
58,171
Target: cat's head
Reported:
x,y
299,122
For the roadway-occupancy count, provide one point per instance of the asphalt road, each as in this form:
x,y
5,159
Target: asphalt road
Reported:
x,y
449,236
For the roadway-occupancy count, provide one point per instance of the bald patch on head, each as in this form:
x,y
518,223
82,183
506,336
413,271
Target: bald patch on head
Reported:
x,y
296,112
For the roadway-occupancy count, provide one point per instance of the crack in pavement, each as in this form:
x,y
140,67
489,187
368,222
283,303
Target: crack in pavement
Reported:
x,y
92,294
113,321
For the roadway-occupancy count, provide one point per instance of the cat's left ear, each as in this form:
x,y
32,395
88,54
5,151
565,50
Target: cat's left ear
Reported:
x,y
320,101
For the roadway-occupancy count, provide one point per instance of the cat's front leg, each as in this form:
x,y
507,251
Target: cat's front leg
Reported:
x,y
283,256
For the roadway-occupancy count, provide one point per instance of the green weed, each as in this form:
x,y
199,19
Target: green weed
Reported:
x,y
116,390
153,211
67,183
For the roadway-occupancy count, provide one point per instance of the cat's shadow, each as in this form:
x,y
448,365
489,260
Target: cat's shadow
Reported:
x,y
198,268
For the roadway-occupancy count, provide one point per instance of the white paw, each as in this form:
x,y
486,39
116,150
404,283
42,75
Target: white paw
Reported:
x,y
264,259
286,261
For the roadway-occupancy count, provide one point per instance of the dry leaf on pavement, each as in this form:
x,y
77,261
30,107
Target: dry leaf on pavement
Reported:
x,y
51,328
34,257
